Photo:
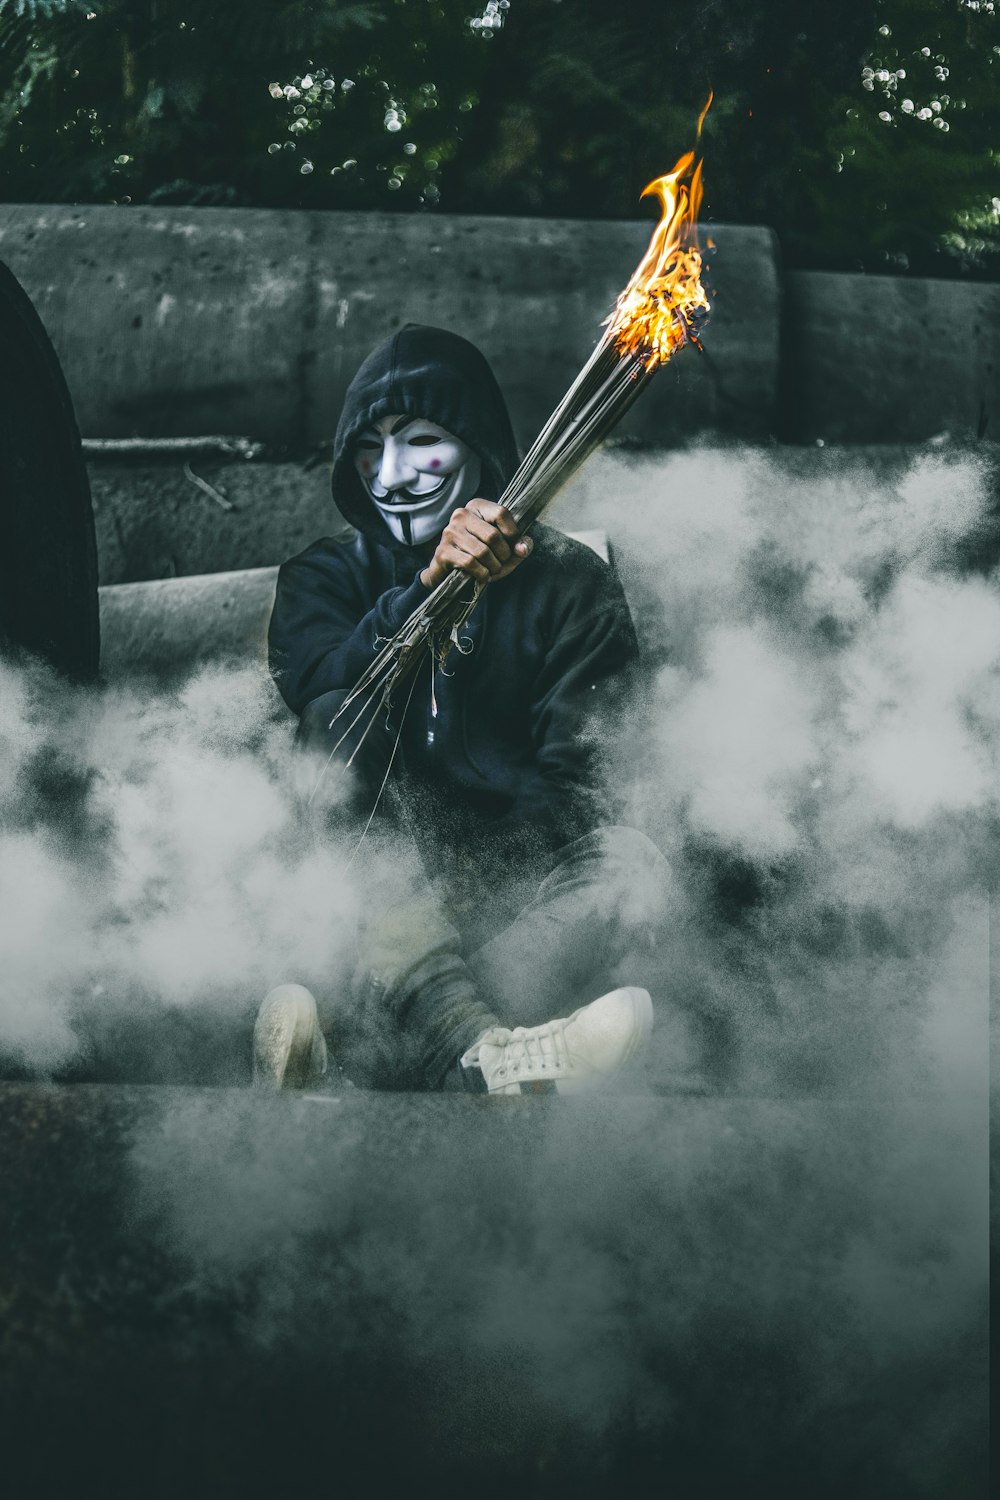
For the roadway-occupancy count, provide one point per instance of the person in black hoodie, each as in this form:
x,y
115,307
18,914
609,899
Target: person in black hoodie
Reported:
x,y
493,761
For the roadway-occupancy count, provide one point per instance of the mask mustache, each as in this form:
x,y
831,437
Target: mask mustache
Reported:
x,y
400,497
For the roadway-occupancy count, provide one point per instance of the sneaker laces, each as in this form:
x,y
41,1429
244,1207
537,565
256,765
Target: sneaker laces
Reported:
x,y
523,1049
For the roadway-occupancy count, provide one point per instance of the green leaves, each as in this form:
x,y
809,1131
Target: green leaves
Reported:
x,y
569,110
208,103
35,10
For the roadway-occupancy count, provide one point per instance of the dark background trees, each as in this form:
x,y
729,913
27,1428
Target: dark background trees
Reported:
x,y
867,132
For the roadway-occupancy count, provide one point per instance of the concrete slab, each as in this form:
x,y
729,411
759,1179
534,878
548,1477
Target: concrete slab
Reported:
x,y
153,522
217,1292
175,624
168,322
871,356
175,321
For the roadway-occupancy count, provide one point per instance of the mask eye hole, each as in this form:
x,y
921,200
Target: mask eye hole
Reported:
x,y
423,440
368,445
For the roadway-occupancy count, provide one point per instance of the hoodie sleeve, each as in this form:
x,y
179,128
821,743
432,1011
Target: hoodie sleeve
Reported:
x,y
324,630
577,698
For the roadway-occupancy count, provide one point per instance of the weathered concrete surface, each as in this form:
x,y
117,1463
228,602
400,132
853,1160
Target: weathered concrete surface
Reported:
x,y
867,358
175,624
168,322
177,321
219,1293
153,522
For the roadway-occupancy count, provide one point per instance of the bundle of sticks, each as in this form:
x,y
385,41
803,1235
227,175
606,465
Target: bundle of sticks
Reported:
x,y
663,307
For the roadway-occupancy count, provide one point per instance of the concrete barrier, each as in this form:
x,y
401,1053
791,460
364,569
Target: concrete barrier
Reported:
x,y
174,321
174,624
153,522
216,1290
870,359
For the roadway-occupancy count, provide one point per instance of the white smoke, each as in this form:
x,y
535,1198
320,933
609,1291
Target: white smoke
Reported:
x,y
822,704
823,723
814,754
192,877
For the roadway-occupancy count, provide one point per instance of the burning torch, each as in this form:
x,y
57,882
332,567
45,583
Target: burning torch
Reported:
x,y
663,307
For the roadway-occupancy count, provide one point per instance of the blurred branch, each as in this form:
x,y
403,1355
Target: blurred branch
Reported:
x,y
186,447
34,10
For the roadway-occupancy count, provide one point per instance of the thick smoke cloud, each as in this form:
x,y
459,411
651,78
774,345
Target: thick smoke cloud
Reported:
x,y
155,858
816,748
788,1271
812,749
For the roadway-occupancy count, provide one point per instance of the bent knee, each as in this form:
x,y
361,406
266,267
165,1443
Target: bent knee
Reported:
x,y
631,849
640,873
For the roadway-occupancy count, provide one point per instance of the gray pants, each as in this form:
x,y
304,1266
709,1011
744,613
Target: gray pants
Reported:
x,y
418,1002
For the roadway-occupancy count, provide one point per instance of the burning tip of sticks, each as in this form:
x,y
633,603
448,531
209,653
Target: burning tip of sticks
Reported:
x,y
665,305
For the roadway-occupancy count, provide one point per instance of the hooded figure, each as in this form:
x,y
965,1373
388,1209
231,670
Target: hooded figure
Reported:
x,y
494,772
507,747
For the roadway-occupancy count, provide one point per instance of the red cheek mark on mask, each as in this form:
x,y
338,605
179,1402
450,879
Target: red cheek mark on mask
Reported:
x,y
435,463
366,467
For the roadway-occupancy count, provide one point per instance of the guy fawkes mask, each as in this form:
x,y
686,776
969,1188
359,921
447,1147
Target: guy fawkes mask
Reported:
x,y
416,474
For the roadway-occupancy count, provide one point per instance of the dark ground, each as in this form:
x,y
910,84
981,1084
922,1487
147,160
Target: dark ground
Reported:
x,y
212,1292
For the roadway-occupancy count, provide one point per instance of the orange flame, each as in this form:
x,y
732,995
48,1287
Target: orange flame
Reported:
x,y
665,304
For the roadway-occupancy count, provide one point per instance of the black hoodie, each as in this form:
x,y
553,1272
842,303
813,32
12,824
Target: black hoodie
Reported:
x,y
507,761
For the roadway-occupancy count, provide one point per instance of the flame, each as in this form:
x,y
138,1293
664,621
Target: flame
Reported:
x,y
664,305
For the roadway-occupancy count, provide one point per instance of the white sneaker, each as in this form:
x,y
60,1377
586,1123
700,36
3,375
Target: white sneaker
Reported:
x,y
288,1047
586,1051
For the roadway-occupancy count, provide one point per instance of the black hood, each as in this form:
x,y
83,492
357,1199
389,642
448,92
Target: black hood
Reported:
x,y
433,374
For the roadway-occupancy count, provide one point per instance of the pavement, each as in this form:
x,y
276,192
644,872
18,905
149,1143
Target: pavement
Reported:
x,y
214,1291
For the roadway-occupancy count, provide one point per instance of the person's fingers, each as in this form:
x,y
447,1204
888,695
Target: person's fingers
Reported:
x,y
472,547
462,547
521,551
459,534
485,532
456,557
497,515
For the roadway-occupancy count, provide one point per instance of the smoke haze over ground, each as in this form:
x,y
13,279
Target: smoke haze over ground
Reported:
x,y
153,860
817,754
783,1289
812,750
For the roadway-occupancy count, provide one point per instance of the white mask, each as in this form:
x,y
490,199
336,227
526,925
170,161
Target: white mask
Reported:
x,y
416,474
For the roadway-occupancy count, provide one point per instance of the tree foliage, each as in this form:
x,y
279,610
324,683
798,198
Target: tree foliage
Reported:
x,y
832,123
283,102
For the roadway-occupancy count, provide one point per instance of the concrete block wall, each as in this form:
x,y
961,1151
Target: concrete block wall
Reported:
x,y
176,321
877,359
